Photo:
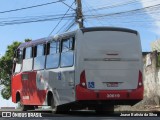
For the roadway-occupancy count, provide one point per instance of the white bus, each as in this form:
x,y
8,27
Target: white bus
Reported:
x,y
94,68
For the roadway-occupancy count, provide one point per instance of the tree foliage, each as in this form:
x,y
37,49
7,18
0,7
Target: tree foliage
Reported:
x,y
6,63
6,69
27,40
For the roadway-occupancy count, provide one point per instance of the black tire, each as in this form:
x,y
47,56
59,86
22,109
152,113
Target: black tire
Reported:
x,y
64,109
22,107
25,107
104,109
59,109
30,107
53,105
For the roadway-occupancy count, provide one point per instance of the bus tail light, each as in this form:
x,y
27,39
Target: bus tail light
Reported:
x,y
83,80
140,81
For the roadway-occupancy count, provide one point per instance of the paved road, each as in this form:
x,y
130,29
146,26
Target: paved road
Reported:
x,y
77,115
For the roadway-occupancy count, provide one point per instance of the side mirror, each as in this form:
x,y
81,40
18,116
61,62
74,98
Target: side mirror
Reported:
x,y
15,60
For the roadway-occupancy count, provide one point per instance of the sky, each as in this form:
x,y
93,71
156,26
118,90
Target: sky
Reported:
x,y
146,21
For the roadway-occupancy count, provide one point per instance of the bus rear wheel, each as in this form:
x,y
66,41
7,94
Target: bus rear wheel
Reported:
x,y
58,109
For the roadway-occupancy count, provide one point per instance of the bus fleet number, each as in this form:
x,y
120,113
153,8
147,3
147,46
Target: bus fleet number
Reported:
x,y
113,95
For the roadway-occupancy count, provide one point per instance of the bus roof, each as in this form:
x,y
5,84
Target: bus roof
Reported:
x,y
34,42
66,34
90,29
47,39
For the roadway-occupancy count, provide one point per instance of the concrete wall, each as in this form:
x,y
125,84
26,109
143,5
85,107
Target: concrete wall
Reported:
x,y
151,76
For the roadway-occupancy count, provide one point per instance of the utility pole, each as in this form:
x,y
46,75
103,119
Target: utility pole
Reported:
x,y
79,17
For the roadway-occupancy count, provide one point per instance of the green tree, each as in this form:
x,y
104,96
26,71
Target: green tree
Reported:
x,y
27,40
6,63
6,69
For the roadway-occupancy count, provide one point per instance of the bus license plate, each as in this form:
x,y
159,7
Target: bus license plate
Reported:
x,y
113,95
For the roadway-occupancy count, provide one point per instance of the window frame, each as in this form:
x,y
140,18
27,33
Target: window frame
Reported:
x,y
25,51
57,48
17,57
72,49
58,51
31,57
35,48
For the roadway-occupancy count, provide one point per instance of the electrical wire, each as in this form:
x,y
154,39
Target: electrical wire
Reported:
x,y
68,6
61,19
70,26
63,26
24,8
129,15
115,5
38,16
135,16
121,4
33,21
88,7
130,11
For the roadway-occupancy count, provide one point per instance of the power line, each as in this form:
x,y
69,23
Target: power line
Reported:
x,y
131,17
7,11
37,18
131,2
88,7
124,17
72,23
33,20
125,12
112,5
68,5
70,26
61,19
65,24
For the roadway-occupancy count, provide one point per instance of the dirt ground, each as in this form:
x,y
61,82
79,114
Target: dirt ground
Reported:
x,y
145,105
138,108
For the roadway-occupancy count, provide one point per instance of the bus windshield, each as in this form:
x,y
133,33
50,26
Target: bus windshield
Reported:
x,y
18,61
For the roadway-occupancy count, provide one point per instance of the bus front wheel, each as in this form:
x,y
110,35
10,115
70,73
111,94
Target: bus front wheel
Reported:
x,y
22,107
25,107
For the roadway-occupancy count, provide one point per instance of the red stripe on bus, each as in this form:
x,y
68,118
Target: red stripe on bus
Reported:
x,y
87,94
29,93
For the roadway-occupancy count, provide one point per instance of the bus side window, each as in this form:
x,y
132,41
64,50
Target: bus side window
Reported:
x,y
53,48
68,45
52,60
67,55
40,50
39,57
27,59
28,53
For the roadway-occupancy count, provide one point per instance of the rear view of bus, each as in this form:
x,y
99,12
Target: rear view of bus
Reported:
x,y
110,67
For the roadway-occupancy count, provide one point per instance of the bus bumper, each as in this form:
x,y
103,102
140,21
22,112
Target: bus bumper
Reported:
x,y
83,94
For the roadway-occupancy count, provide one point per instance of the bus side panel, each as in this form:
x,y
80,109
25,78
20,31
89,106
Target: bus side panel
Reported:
x,y
16,86
31,93
26,84
61,82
